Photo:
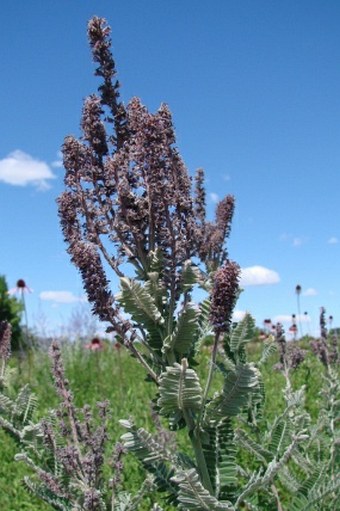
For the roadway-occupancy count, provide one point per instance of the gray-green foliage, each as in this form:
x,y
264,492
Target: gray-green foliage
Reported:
x,y
300,457
286,454
16,410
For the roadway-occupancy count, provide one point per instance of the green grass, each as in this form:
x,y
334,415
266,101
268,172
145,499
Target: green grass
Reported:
x,y
114,375
93,377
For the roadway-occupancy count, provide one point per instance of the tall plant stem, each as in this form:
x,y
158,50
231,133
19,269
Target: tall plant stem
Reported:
x,y
2,370
25,316
195,433
299,313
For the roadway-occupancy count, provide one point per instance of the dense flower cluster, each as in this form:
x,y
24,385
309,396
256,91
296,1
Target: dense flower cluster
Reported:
x,y
224,295
291,355
128,188
87,259
325,351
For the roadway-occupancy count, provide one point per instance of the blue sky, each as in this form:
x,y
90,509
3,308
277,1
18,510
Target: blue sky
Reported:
x,y
254,91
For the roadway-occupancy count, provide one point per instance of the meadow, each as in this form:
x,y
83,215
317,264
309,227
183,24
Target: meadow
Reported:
x,y
113,374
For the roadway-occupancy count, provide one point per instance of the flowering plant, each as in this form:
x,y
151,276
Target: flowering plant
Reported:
x,y
130,209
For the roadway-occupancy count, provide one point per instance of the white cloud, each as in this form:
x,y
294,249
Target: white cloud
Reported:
x,y
333,240
214,197
226,177
20,169
310,292
238,315
258,276
61,297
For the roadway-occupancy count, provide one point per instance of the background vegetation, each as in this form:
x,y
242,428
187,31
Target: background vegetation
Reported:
x,y
114,374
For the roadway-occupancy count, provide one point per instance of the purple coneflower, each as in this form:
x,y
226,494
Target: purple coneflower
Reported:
x,y
95,345
267,323
298,290
293,329
20,288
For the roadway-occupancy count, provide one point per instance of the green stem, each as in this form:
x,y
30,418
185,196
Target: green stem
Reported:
x,y
299,314
170,355
209,379
142,360
3,368
25,315
194,435
196,443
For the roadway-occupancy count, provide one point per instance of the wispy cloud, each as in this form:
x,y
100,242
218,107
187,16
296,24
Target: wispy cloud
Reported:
x,y
310,292
61,297
333,240
295,241
258,276
21,169
58,164
214,197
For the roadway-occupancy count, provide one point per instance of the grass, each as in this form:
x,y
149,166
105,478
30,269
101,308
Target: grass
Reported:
x,y
114,375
